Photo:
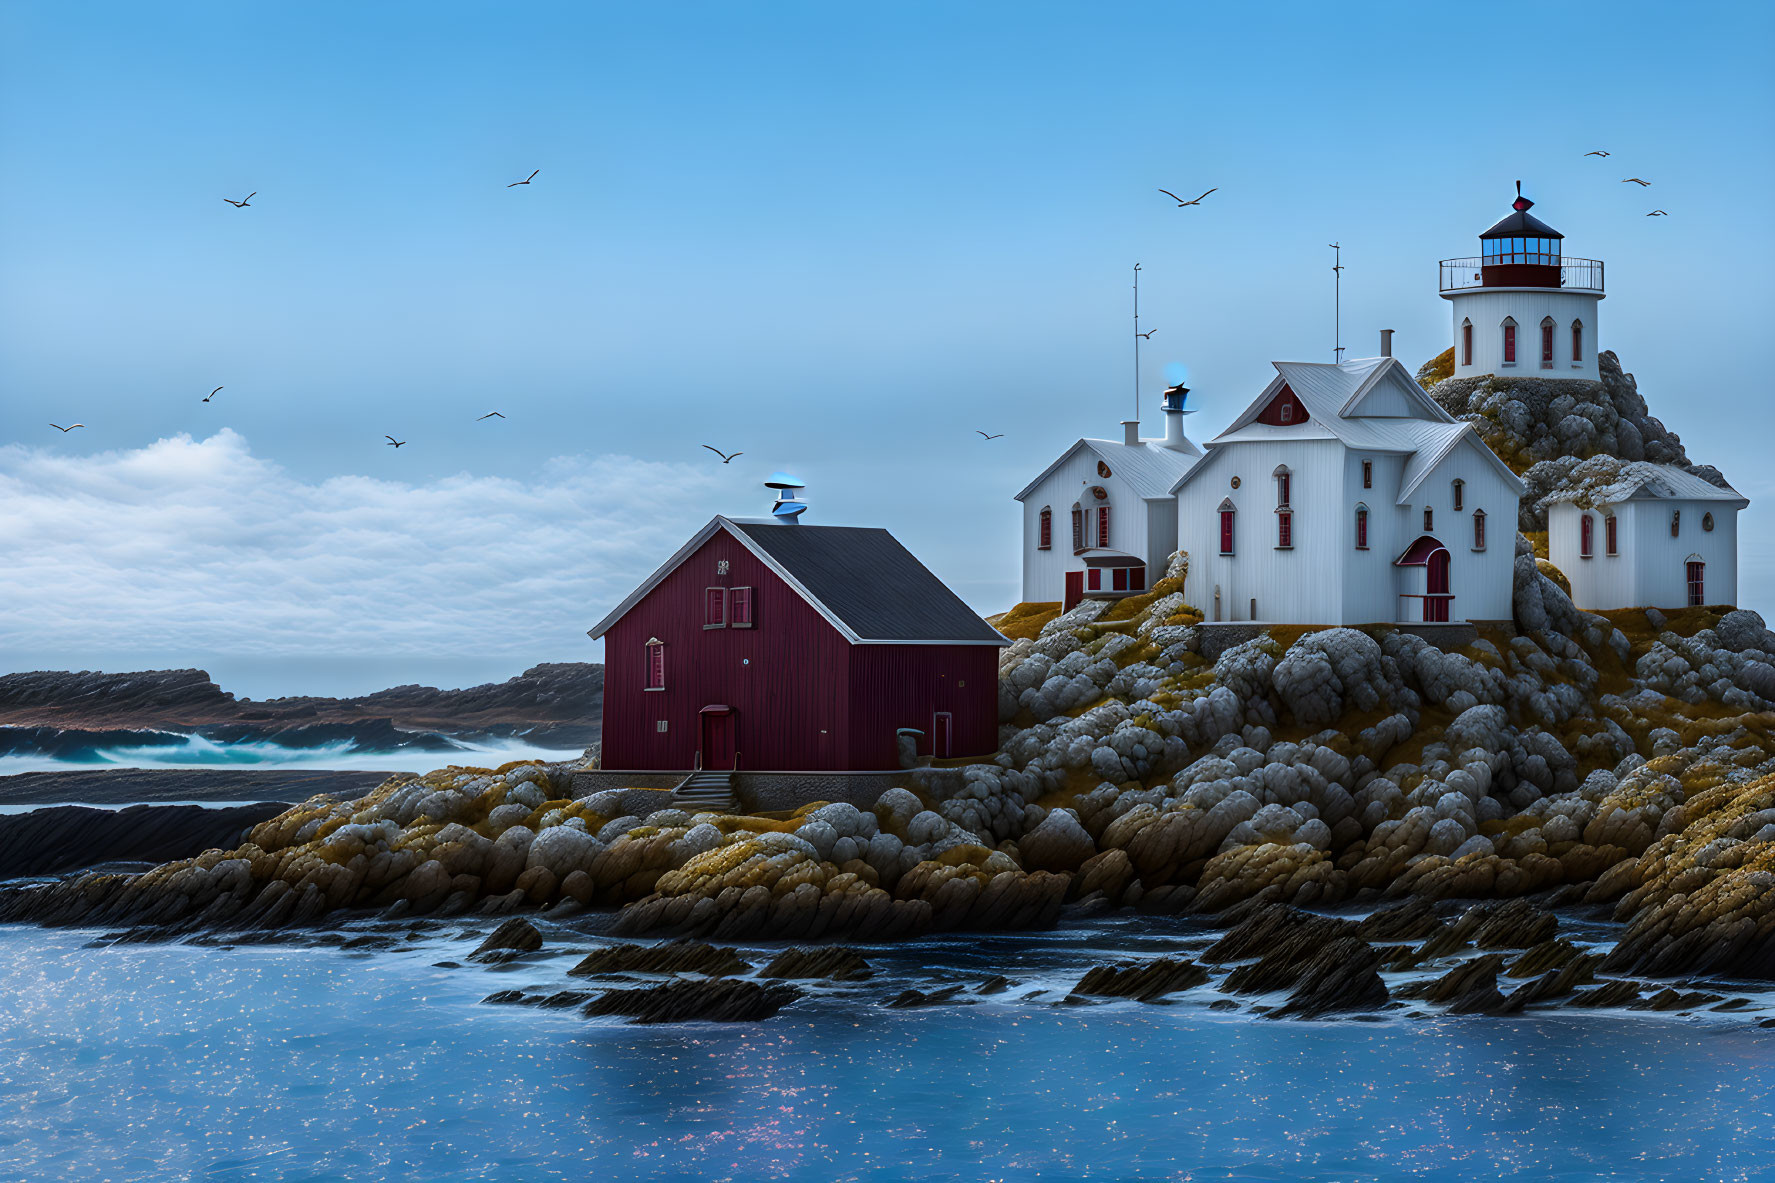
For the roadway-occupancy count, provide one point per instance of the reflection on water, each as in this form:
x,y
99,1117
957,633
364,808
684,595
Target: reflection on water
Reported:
x,y
159,1061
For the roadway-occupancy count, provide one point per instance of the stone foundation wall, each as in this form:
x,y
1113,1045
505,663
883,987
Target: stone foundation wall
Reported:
x,y
758,792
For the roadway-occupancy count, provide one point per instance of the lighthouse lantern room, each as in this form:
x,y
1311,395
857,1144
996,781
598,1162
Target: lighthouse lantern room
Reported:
x,y
1523,307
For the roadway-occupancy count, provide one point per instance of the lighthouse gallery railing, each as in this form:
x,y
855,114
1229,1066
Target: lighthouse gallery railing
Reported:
x,y
1578,274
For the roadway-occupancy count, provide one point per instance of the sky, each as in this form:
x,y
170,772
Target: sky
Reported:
x,y
840,239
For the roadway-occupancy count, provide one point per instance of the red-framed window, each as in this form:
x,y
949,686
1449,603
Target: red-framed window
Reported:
x,y
656,666
1103,526
1429,519
1509,343
1137,578
739,607
1467,343
1479,529
1362,528
1460,494
1547,346
1284,529
1697,584
714,607
1577,340
1586,532
1047,530
1226,531
1609,535
1368,474
1118,580
1078,529
1094,578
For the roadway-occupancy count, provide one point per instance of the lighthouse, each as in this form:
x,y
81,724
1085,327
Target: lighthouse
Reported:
x,y
1523,308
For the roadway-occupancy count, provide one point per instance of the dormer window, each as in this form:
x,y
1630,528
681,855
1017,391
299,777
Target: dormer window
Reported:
x,y
1460,489
1509,342
1547,344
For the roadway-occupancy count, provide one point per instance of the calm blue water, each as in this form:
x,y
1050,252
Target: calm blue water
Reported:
x,y
168,1062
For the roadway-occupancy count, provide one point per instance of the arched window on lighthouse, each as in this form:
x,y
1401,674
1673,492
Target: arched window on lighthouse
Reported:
x,y
1577,340
1046,540
1547,343
1466,342
1509,341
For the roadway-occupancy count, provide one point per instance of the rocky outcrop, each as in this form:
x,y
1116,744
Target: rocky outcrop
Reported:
x,y
687,1000
672,957
61,838
1142,983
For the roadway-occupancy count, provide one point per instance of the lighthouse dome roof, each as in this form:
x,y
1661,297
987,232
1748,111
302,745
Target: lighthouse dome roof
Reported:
x,y
1522,224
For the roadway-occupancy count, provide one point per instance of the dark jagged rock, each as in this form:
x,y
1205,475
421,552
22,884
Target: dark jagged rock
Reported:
x,y
1469,988
997,984
1340,977
1543,957
1414,920
669,958
504,996
1280,929
514,938
1513,924
1668,999
63,838
1142,983
562,999
686,1000
834,963
1619,992
910,999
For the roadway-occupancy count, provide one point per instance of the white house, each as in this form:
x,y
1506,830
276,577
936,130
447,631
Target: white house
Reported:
x,y
1522,307
1344,494
1655,536
1102,516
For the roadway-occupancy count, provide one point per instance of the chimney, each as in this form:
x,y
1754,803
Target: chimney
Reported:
x,y
1172,404
1130,431
1386,342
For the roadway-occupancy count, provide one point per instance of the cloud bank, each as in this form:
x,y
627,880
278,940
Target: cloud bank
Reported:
x,y
201,546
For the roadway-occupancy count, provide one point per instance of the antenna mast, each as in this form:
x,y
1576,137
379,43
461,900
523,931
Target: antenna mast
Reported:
x,y
1137,342
1337,301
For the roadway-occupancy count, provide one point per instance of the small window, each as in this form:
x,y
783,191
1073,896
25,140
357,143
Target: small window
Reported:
x,y
1094,578
1137,578
1586,532
1047,529
1707,522
1609,535
1460,490
1361,527
1078,529
1368,474
1509,342
659,725
1697,584
1676,522
714,607
656,666
1287,412
1466,342
1103,526
1479,529
1119,579
1577,340
1284,530
1284,486
1547,344
739,607
1226,531
1103,470
1429,519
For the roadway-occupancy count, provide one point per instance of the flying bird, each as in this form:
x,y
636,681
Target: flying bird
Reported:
x,y
67,429
525,181
242,203
1596,153
1657,213
491,415
1001,434
1148,335
725,458
392,442
211,394
1181,202
1634,181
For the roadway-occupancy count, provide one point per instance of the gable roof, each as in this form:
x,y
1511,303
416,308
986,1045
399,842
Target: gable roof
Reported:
x,y
1642,480
867,586
1149,468
1425,459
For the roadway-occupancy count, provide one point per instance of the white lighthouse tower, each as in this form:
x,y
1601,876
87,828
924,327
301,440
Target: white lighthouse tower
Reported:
x,y
1522,307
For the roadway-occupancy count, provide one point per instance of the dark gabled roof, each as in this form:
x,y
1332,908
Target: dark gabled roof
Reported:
x,y
1522,224
869,582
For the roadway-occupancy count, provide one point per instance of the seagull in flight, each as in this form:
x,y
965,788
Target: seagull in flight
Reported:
x,y
725,458
491,415
1657,213
392,442
1148,335
242,203
1181,202
1634,181
211,394
525,181
67,429
1596,153
1001,434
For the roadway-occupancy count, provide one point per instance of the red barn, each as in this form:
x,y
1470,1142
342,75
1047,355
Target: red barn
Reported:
x,y
770,645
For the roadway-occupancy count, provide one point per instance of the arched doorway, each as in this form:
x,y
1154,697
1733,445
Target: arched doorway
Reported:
x,y
1436,588
1432,589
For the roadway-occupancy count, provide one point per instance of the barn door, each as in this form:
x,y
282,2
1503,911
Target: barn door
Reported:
x,y
942,735
1075,590
718,745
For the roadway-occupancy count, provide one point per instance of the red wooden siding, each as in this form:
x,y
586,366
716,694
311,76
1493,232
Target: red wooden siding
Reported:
x,y
1285,410
894,686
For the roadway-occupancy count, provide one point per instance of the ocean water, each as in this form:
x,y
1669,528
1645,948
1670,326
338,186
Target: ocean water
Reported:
x,y
194,751
154,1062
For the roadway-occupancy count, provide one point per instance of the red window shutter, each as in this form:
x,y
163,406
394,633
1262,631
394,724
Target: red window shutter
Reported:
x,y
1608,532
656,666
1509,342
1585,529
1119,579
1362,529
1103,525
1284,529
1137,578
1226,531
1078,529
1094,578
715,607
1466,345
1047,529
740,607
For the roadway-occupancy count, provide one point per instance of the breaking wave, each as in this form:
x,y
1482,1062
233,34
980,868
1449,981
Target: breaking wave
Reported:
x,y
176,750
